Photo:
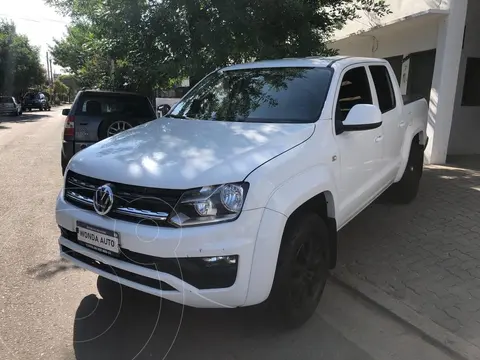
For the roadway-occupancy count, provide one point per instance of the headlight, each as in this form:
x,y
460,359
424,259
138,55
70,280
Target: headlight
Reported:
x,y
210,204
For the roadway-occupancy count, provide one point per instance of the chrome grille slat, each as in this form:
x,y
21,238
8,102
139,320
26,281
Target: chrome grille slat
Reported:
x,y
80,198
143,214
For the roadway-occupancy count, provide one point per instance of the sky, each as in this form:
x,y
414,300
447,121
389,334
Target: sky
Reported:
x,y
40,23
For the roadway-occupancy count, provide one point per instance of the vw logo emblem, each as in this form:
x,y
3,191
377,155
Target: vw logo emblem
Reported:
x,y
103,200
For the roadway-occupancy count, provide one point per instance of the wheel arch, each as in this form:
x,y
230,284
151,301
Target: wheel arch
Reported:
x,y
417,136
322,204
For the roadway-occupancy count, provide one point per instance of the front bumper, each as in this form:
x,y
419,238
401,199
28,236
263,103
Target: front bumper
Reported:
x,y
254,238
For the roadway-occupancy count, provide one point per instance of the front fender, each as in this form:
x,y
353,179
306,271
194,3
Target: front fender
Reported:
x,y
297,190
283,201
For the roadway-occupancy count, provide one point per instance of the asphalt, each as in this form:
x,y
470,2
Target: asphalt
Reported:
x,y
52,310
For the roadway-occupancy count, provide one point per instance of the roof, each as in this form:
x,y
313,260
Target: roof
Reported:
x,y
397,25
312,61
109,92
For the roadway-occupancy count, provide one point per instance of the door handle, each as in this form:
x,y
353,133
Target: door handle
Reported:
x,y
402,123
378,138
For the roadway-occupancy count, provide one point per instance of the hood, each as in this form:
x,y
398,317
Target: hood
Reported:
x,y
182,154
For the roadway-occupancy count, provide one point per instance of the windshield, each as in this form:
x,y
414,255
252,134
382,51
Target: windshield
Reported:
x,y
287,95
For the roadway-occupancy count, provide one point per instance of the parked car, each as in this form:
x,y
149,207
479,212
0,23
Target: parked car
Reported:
x,y
35,100
236,196
96,115
10,106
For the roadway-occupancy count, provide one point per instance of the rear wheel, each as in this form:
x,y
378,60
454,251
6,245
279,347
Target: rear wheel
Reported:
x,y
406,190
302,270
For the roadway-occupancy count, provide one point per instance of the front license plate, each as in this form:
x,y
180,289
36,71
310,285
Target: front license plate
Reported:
x,y
102,240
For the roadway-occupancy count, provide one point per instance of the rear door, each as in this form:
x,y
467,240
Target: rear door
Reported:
x,y
394,126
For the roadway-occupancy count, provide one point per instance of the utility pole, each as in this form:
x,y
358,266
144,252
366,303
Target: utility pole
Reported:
x,y
51,70
48,69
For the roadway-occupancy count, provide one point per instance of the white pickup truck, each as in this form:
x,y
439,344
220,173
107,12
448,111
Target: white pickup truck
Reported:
x,y
235,197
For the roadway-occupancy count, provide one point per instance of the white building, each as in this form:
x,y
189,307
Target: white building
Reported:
x,y
433,47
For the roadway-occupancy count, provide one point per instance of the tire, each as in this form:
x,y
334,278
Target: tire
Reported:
x,y
302,270
104,129
406,190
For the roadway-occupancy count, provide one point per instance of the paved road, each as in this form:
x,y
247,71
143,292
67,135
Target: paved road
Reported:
x,y
51,310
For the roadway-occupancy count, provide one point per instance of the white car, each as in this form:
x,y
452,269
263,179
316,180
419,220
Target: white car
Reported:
x,y
236,196
10,106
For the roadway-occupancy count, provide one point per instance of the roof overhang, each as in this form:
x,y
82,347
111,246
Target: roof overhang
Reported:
x,y
422,18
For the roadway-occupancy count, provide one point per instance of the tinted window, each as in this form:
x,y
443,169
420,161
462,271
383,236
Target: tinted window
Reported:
x,y
383,85
354,90
258,95
6,100
102,105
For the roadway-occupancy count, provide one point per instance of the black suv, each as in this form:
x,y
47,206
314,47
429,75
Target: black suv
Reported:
x,y
96,115
35,100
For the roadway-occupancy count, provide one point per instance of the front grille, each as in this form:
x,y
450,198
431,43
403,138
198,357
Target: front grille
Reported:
x,y
132,203
194,271
127,275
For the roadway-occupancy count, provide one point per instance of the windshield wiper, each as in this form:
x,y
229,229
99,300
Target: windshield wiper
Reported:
x,y
177,116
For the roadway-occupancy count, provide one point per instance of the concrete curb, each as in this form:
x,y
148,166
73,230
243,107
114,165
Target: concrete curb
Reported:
x,y
438,335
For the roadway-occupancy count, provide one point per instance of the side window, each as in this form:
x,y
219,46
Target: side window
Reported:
x,y
384,87
354,90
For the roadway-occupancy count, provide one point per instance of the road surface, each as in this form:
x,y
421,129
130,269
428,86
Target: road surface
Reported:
x,y
52,310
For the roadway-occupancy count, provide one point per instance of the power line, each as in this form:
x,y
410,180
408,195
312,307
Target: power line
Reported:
x,y
34,20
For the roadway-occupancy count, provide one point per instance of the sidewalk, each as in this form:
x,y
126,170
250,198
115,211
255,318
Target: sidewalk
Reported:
x,y
425,255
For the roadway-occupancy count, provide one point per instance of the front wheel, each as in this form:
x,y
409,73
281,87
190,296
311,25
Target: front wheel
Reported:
x,y
302,270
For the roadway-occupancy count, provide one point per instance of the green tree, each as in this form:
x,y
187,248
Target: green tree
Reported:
x,y
20,66
142,44
72,82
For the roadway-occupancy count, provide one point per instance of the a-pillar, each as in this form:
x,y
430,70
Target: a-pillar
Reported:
x,y
444,85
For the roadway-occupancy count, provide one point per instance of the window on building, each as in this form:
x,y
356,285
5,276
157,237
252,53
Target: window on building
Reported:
x,y
471,93
396,64
383,85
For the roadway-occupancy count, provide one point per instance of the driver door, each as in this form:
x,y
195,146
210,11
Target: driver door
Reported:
x,y
360,152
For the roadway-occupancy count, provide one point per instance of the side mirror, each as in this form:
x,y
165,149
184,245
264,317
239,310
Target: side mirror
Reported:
x,y
163,109
362,117
65,112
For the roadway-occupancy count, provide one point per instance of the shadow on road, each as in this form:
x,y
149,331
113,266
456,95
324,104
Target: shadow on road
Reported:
x,y
145,327
25,117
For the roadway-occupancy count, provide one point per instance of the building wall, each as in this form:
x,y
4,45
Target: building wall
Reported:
x,y
400,40
399,9
465,131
